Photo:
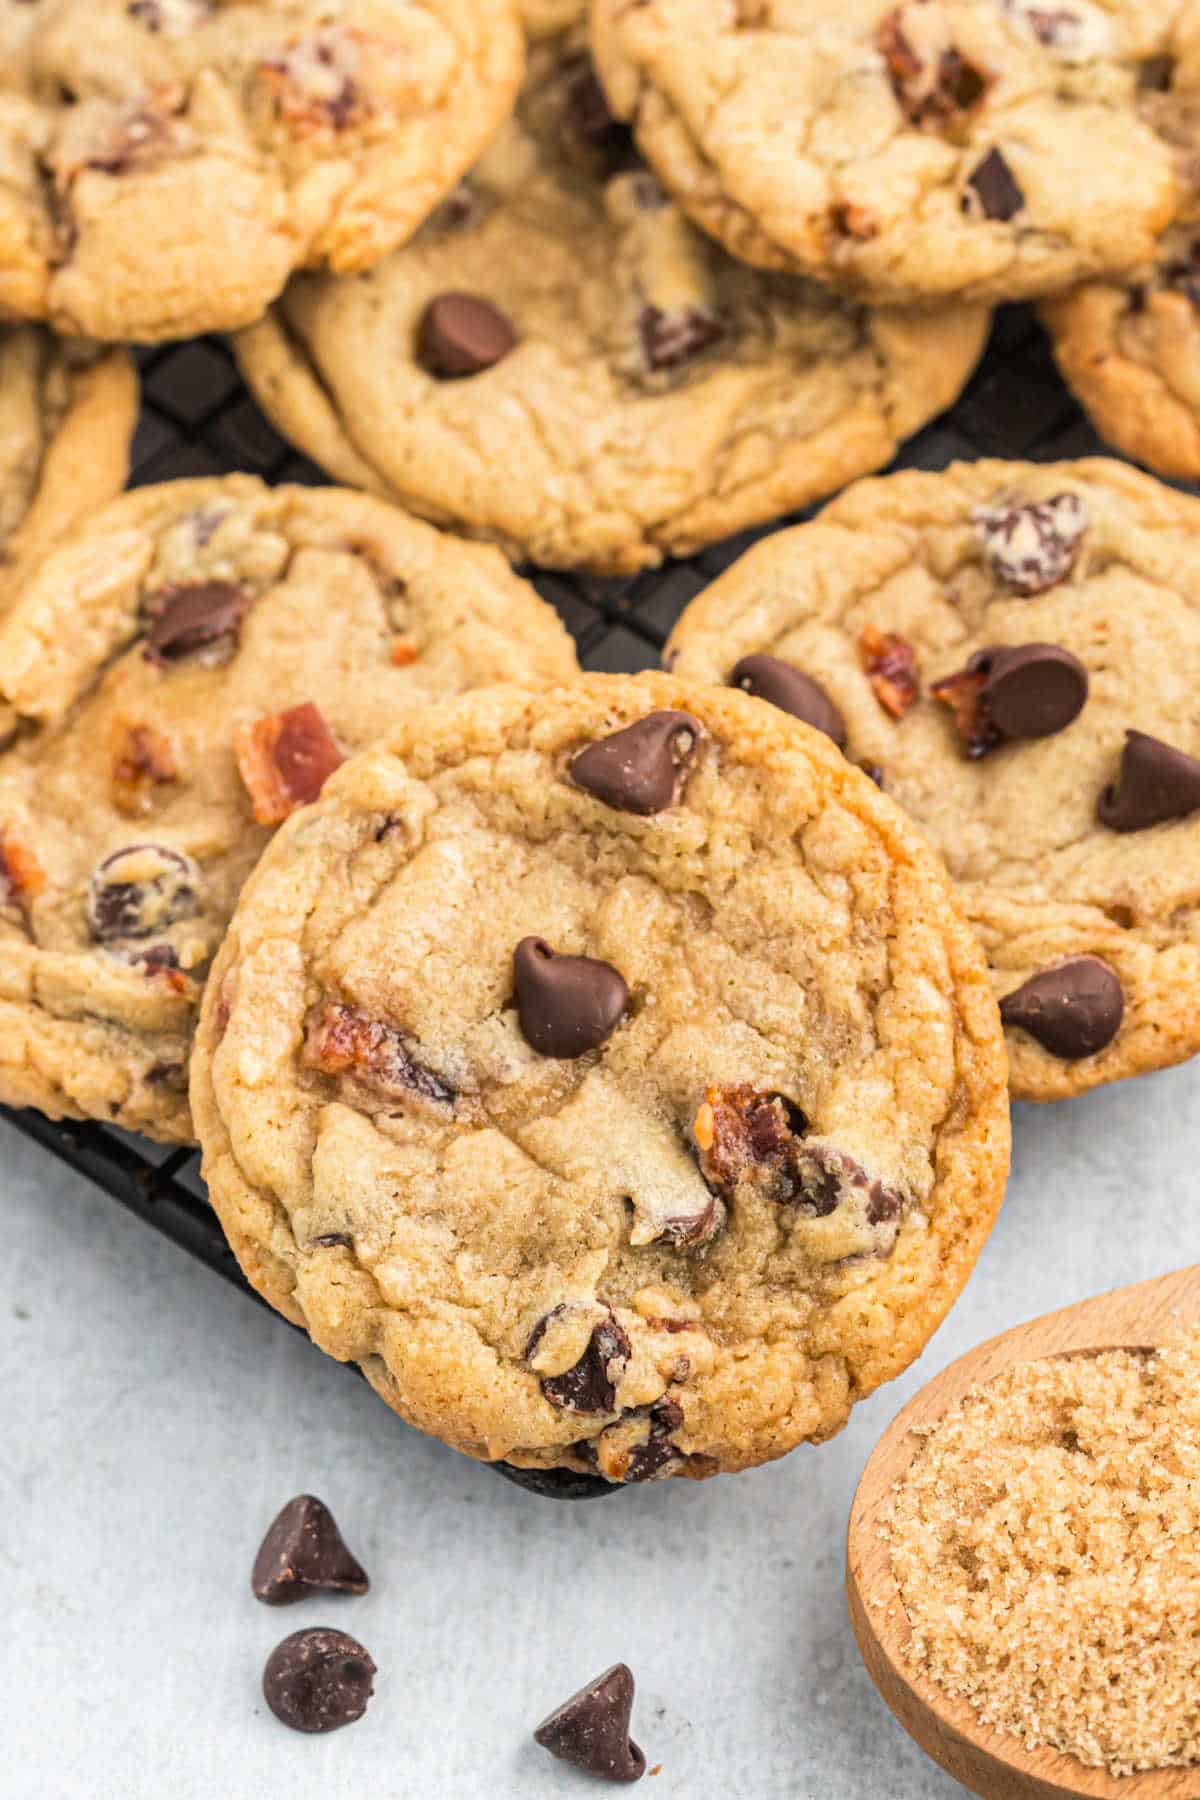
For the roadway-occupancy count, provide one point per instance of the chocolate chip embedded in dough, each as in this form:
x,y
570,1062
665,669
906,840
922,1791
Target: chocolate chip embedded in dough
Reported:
x,y
567,1005
640,768
1073,1009
462,334
1156,783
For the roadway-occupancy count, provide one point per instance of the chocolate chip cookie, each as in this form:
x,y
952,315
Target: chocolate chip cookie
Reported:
x,y
610,1073
166,164
67,415
181,675
561,363
1013,651
982,148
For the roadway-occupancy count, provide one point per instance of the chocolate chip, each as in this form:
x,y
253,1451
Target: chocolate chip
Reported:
x,y
639,769
1073,1010
996,188
591,1729
1156,74
186,616
304,1553
827,1178
460,334
672,338
649,1459
1156,783
788,688
927,91
1017,691
1032,546
318,1680
334,1240
590,1386
566,1004
592,122
140,890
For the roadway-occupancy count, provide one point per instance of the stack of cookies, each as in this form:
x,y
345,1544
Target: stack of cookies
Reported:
x,y
615,1069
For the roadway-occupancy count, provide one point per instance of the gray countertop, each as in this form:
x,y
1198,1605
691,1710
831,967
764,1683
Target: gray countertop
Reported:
x,y
154,1420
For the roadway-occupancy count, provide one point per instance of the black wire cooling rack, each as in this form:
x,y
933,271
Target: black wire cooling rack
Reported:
x,y
198,419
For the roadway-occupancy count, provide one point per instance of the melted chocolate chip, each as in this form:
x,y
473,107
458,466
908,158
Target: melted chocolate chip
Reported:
x,y
672,338
184,617
1156,783
1073,1009
461,334
304,1553
658,1452
1032,546
996,188
828,1177
140,890
640,769
1011,692
567,1005
591,1729
590,1386
769,678
318,1680
931,91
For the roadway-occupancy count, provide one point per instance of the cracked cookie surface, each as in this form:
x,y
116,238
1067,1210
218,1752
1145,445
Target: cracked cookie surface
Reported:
x,y
562,363
179,676
165,164
67,416
983,148
1046,742
611,1074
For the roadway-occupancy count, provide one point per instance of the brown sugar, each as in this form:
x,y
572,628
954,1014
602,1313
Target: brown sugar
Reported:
x,y
1046,1543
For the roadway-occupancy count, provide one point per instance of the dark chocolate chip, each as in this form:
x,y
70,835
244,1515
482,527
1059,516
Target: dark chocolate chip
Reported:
x,y
566,1004
996,188
184,617
590,1386
640,768
140,890
460,334
318,1680
788,688
672,338
1015,691
1073,1009
334,1240
827,1177
591,1729
1032,545
1156,783
658,1452
304,1553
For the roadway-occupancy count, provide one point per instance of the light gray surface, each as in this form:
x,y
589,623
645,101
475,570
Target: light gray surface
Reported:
x,y
154,1420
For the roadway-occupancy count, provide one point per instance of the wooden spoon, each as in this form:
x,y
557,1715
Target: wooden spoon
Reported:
x,y
995,1764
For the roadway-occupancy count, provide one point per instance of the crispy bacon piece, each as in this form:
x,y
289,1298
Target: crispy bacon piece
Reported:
x,y
404,651
285,760
742,1131
22,877
343,1040
143,760
890,665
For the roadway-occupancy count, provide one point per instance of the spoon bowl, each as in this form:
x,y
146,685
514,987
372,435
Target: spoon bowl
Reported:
x,y
995,1764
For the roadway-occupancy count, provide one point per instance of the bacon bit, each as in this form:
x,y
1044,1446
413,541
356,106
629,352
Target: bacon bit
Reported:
x,y
342,1040
143,759
743,1131
22,877
962,694
404,651
285,760
852,220
673,1324
890,665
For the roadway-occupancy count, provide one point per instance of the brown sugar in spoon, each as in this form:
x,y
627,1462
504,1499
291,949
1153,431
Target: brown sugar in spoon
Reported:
x,y
995,1764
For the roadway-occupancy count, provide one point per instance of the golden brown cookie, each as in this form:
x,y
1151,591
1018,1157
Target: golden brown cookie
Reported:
x,y
610,1073
1014,651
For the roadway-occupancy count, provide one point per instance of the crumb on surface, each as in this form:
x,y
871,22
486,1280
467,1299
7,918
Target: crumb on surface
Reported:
x,y
1046,1544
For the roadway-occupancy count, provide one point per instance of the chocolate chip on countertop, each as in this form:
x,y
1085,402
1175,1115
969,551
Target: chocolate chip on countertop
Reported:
x,y
996,187
591,1729
305,1553
318,1680
1073,1009
640,768
1007,692
788,688
460,334
1156,783
186,616
566,1004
